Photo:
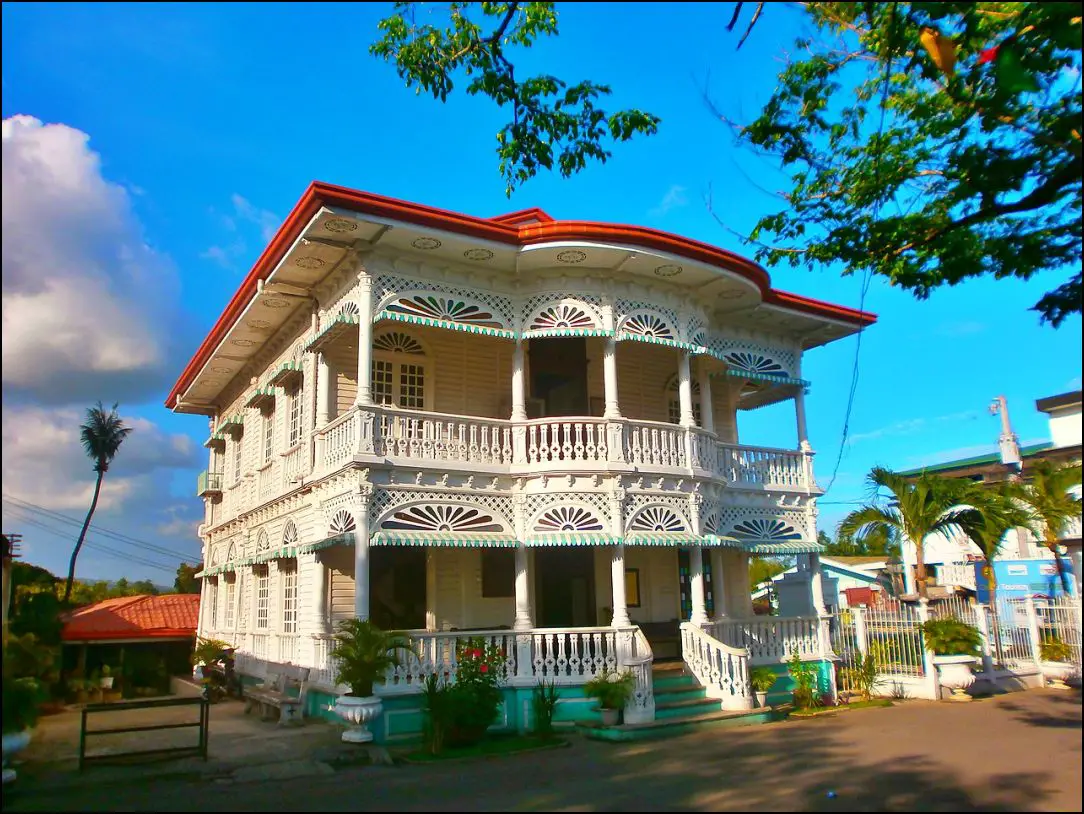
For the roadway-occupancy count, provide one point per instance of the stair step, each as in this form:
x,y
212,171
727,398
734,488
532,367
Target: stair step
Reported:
x,y
681,682
662,727
688,708
666,695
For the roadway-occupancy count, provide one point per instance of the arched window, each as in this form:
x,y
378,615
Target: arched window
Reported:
x,y
400,374
673,402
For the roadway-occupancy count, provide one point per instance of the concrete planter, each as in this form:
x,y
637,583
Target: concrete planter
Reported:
x,y
13,742
358,712
762,699
955,674
610,717
1057,673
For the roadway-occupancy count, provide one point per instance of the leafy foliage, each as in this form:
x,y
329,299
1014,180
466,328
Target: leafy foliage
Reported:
x,y
878,542
543,706
101,435
913,156
459,713
862,674
20,701
762,569
364,653
611,688
1048,494
186,581
917,508
762,679
996,511
208,651
551,121
1052,648
806,685
951,637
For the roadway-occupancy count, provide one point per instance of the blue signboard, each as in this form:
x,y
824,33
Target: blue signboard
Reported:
x,y
1020,578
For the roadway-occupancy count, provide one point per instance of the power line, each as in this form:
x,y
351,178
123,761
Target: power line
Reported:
x,y
132,558
115,535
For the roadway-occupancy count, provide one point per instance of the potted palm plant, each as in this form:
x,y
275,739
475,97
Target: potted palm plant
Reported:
x,y
612,689
954,644
762,679
363,655
1056,660
106,677
20,714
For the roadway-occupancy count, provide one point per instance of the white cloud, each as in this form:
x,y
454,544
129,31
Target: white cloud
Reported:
x,y
243,213
911,426
267,221
44,462
87,306
1073,383
673,199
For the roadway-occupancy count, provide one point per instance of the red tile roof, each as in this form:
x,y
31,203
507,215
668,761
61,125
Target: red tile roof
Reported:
x,y
134,617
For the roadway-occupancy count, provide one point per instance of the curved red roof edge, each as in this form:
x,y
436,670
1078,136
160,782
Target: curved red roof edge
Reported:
x,y
503,229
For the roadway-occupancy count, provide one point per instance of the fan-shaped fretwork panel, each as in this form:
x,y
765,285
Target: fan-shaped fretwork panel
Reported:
x,y
442,517
657,518
568,518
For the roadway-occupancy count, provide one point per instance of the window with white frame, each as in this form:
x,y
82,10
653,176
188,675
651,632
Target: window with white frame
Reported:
x,y
238,443
294,418
400,372
268,435
289,597
231,598
212,594
263,596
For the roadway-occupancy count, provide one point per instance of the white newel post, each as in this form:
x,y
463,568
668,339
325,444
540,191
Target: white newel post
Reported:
x,y
929,669
364,397
983,623
699,614
861,634
718,582
361,554
707,412
1033,632
609,379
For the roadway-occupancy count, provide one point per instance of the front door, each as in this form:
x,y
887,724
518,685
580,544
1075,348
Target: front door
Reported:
x,y
685,585
397,587
565,586
559,374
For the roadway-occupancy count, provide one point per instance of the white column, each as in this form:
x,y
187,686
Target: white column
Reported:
x,y
364,395
718,582
685,390
609,378
204,605
319,595
699,614
323,391
741,598
617,561
519,384
361,558
523,599
799,412
707,414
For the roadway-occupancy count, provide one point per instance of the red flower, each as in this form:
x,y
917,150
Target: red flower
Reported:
x,y
484,668
989,55
476,653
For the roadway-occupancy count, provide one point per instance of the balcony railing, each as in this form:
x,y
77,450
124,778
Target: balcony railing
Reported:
x,y
562,444
209,483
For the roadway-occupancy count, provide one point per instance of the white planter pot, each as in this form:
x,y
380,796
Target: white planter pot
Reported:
x,y
107,682
358,712
1057,672
955,674
13,742
610,717
762,699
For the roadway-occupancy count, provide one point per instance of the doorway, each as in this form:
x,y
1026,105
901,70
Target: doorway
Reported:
x,y
559,374
397,587
565,586
685,585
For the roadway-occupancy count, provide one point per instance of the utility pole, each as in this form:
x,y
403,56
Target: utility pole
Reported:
x,y
11,551
1009,446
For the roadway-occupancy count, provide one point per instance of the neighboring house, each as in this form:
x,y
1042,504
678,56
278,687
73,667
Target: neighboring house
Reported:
x,y
847,581
447,423
953,562
143,639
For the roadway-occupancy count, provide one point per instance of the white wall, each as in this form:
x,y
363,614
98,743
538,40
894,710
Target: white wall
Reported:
x,y
1065,428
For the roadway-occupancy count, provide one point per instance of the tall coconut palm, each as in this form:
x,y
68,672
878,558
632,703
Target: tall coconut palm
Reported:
x,y
101,434
1047,491
995,511
917,508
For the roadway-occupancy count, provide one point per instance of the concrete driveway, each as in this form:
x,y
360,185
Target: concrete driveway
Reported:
x,y
1010,753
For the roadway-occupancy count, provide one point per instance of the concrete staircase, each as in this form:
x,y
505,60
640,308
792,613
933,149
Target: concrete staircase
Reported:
x,y
681,705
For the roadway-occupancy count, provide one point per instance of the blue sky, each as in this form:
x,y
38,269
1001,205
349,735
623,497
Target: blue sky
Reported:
x,y
171,140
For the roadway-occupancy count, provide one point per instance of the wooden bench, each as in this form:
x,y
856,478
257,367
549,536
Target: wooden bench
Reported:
x,y
278,692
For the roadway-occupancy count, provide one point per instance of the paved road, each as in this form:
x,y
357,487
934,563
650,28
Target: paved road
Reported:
x,y
1011,753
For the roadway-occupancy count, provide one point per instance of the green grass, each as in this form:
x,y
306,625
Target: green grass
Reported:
x,y
492,746
813,713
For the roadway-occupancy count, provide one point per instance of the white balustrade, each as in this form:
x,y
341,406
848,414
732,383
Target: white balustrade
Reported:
x,y
641,706
957,574
323,668
655,443
261,645
770,639
293,465
574,656
288,648
439,437
566,440
761,466
721,668
266,481
340,439
437,653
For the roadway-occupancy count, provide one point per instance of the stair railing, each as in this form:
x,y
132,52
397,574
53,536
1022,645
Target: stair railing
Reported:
x,y
721,669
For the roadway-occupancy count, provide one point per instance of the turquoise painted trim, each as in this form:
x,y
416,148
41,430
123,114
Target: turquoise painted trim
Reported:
x,y
540,333
655,340
285,372
774,548
720,540
765,377
335,325
279,554
670,538
445,539
571,538
411,319
347,538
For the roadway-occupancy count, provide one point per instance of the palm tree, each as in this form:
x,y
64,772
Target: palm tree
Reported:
x,y
995,511
1048,495
101,434
917,508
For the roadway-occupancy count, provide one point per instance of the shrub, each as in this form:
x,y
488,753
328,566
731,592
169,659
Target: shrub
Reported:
x,y
459,713
21,698
951,637
806,691
437,705
206,651
1052,648
364,653
862,675
544,706
612,689
762,679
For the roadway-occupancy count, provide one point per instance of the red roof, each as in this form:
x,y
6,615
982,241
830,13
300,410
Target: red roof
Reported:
x,y
523,228
134,617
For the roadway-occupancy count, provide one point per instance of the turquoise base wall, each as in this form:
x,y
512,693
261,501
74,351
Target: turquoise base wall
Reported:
x,y
403,719
783,689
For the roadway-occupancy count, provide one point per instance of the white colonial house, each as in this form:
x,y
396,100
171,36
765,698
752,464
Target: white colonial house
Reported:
x,y
515,427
